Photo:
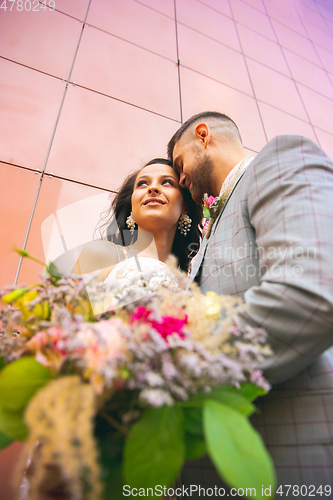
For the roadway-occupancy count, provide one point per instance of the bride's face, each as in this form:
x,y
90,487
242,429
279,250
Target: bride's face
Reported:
x,y
157,199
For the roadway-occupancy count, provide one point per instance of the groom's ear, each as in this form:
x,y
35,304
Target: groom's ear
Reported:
x,y
202,132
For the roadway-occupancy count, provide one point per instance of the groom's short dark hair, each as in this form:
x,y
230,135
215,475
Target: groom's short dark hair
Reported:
x,y
204,115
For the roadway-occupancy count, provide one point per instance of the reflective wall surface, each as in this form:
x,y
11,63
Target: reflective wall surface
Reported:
x,y
92,89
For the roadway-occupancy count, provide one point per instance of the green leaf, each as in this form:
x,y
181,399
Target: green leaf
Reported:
x,y
2,363
14,295
4,441
53,270
193,420
195,447
154,449
12,424
110,452
248,390
237,450
24,253
19,381
229,396
233,400
206,212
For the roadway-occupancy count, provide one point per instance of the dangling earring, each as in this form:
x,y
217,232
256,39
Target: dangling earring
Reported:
x,y
184,224
130,223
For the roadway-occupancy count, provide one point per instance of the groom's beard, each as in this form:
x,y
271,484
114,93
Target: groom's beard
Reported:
x,y
201,178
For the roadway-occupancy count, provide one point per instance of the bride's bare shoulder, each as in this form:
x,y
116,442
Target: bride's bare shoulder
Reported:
x,y
97,255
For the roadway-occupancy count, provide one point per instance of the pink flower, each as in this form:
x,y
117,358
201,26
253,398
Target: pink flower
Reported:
x,y
169,325
209,200
141,314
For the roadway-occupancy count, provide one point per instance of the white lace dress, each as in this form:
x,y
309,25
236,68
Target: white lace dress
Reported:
x,y
136,277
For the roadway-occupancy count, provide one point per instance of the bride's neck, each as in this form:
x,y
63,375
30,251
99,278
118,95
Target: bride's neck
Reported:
x,y
159,247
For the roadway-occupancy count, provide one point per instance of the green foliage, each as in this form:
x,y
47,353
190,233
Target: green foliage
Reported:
x,y
15,295
195,447
4,441
12,424
205,211
193,420
230,396
154,450
236,449
248,390
19,381
23,253
111,451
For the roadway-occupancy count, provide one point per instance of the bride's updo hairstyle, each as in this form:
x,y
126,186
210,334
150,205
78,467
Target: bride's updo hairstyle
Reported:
x,y
115,229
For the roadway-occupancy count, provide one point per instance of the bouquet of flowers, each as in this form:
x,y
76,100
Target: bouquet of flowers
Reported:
x,y
124,397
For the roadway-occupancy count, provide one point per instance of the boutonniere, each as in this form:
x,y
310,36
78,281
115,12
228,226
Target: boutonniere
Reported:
x,y
211,206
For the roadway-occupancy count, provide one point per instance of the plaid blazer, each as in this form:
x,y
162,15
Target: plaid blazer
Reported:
x,y
272,244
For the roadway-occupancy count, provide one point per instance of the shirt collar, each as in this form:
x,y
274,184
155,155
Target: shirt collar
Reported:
x,y
233,176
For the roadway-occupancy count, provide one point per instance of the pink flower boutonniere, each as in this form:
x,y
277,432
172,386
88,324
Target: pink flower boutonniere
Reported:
x,y
211,206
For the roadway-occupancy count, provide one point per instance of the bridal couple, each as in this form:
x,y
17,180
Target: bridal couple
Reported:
x,y
271,244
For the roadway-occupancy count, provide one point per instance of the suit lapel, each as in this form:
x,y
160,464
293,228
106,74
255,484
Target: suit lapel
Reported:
x,y
202,250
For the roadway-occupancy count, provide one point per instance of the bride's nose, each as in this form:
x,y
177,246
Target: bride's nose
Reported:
x,y
153,190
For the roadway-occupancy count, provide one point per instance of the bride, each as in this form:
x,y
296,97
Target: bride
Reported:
x,y
150,218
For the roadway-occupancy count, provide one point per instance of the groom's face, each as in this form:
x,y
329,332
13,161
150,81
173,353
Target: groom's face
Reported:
x,y
195,168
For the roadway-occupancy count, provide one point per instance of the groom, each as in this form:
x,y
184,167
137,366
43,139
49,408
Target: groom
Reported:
x,y
272,244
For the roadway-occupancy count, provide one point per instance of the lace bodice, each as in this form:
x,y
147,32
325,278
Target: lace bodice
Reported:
x,y
140,275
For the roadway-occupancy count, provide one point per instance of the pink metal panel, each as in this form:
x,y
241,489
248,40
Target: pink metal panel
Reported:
x,y
320,37
295,42
276,89
74,8
165,6
29,104
127,72
252,18
18,189
312,18
320,108
213,59
136,23
286,13
326,141
326,56
310,75
208,21
326,12
218,97
277,122
257,4
262,49
42,40
99,140
54,195
219,6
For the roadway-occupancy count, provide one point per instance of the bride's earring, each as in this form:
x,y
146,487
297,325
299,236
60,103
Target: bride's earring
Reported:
x,y
184,224
130,223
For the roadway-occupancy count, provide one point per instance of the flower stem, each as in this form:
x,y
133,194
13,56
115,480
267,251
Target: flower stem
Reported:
x,y
114,423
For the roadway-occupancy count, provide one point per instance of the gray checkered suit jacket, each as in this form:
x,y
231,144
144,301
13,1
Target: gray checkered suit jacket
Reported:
x,y
272,244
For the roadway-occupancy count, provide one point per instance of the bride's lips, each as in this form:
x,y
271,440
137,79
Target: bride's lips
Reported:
x,y
153,201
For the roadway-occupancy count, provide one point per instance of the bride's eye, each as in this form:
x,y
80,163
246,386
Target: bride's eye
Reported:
x,y
141,183
169,181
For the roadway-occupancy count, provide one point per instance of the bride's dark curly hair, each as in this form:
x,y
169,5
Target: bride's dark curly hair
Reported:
x,y
114,227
